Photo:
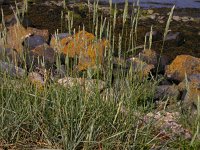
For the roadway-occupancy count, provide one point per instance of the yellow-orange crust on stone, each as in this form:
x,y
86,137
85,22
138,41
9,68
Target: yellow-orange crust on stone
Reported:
x,y
181,65
84,45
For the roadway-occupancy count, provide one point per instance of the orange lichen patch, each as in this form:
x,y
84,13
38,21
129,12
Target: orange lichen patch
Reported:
x,y
83,45
183,64
193,94
58,44
15,36
93,56
79,43
191,85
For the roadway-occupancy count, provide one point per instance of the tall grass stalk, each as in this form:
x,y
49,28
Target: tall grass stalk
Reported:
x,y
125,14
164,35
136,22
150,37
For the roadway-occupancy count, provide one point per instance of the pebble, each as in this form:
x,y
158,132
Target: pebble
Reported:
x,y
176,18
33,41
11,69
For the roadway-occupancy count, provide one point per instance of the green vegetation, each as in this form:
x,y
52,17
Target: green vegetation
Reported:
x,y
70,118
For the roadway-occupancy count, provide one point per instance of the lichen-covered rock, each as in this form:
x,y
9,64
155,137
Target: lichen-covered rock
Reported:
x,y
181,66
140,67
191,89
151,57
78,44
58,42
88,85
84,45
92,57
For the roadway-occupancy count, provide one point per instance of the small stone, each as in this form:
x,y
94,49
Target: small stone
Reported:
x,y
185,19
45,54
150,11
161,17
60,36
34,41
12,70
143,18
166,126
176,18
153,16
192,19
36,79
156,35
88,85
161,21
175,37
164,92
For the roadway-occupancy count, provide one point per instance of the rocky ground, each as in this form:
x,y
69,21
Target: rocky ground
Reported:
x,y
47,15
178,65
